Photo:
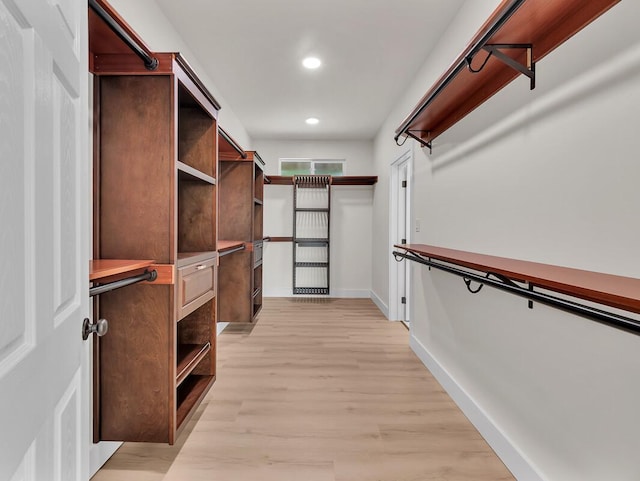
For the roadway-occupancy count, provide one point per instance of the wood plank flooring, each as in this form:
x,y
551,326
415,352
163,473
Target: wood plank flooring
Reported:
x,y
317,390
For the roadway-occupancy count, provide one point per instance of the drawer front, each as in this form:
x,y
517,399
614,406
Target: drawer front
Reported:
x,y
196,286
257,253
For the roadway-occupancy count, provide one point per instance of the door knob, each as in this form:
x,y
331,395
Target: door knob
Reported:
x,y
100,327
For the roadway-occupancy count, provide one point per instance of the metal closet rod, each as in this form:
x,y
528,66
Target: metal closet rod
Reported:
x,y
599,315
470,53
231,251
151,63
145,276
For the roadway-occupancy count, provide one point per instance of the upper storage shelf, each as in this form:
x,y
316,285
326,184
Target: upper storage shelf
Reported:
x,y
341,180
518,34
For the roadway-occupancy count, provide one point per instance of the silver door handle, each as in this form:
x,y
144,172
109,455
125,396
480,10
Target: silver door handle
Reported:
x,y
100,327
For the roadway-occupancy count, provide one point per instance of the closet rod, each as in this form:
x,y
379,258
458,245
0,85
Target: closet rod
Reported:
x,y
151,63
462,64
599,315
110,286
231,251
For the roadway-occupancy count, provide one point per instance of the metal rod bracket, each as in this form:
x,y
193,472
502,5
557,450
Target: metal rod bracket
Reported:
x,y
496,50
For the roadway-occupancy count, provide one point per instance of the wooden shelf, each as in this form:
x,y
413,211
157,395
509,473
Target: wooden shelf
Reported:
x,y
103,268
189,355
190,394
227,245
606,289
341,180
186,258
543,24
188,173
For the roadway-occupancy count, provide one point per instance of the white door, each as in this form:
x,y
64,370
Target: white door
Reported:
x,y
44,232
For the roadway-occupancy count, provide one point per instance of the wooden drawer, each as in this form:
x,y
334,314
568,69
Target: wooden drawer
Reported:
x,y
196,285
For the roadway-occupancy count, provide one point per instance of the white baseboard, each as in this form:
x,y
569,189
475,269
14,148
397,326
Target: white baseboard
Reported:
x,y
100,453
381,305
220,326
521,468
338,293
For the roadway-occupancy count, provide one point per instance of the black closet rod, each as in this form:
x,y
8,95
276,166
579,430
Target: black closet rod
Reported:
x,y
470,53
151,63
604,317
101,289
231,251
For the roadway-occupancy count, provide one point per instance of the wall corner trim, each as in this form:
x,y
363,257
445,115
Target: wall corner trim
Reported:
x,y
381,305
521,468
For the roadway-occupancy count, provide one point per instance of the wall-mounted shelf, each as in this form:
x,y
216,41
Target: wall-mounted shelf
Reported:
x,y
517,35
111,269
503,273
341,180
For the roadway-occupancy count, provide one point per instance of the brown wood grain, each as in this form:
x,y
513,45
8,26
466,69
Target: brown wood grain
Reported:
x,y
234,287
135,166
235,191
135,364
610,290
105,268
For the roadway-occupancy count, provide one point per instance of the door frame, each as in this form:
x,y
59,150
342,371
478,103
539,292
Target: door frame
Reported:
x,y
395,306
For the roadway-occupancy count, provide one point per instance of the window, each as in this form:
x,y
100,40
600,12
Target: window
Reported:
x,y
334,167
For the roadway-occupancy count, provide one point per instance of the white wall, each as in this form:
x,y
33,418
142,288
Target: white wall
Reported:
x,y
148,20
351,217
548,176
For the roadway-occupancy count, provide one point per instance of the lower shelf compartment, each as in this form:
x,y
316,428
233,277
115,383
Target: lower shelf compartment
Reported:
x,y
189,355
189,395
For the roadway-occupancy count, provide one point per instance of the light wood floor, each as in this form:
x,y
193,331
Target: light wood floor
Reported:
x,y
317,390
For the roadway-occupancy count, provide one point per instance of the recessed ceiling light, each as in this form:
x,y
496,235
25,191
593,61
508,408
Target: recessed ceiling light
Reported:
x,y
311,62
312,121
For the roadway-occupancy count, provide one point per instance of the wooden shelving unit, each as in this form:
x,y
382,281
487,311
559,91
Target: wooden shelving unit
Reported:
x,y
604,289
155,170
241,183
341,180
518,34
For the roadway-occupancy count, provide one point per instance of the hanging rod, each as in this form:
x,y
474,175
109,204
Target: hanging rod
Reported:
x,y
462,64
110,286
151,63
583,310
231,251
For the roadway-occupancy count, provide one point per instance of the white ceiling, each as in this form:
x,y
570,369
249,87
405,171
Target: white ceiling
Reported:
x,y
252,50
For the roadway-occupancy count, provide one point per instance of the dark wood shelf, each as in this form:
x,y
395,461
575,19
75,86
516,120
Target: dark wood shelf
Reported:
x,y
342,180
189,395
224,246
188,357
278,239
188,173
606,289
186,258
100,269
543,24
